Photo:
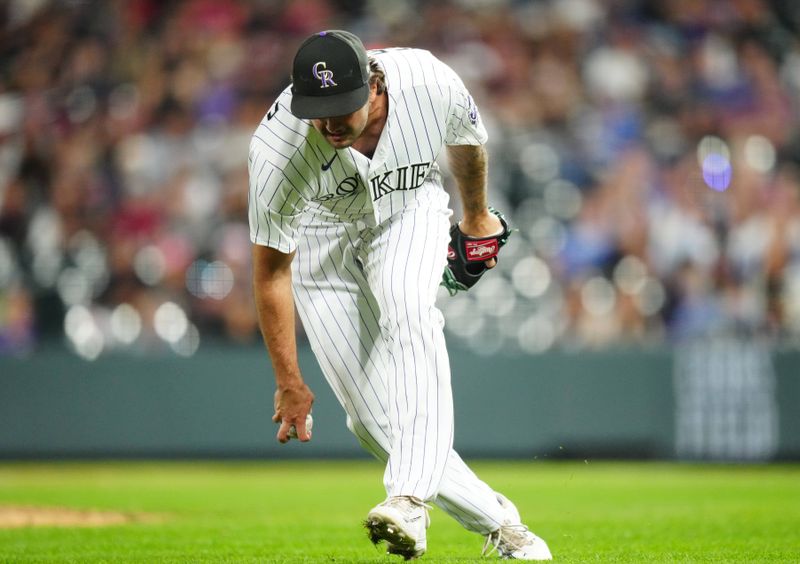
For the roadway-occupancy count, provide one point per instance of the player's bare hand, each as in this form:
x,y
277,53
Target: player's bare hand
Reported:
x,y
482,224
292,405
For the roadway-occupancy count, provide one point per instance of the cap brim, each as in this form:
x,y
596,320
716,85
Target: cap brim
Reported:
x,y
316,107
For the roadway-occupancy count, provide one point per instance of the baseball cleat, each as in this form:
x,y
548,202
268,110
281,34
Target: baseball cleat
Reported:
x,y
401,522
513,540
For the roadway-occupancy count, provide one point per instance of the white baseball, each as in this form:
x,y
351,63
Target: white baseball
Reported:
x,y
309,425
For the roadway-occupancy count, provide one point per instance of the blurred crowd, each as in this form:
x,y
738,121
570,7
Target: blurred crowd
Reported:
x,y
647,151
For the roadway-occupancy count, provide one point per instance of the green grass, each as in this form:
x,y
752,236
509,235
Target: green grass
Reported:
x,y
311,511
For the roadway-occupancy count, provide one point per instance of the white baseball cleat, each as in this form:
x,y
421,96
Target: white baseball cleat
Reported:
x,y
513,540
401,521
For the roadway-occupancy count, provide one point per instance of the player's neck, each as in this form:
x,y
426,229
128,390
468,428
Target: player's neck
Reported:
x,y
376,120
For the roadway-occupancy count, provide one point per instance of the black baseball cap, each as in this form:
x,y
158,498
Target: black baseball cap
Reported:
x,y
330,75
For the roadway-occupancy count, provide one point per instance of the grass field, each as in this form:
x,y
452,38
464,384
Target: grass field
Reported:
x,y
311,511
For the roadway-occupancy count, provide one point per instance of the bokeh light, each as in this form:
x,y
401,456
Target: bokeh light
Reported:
x,y
125,324
714,158
651,298
712,145
495,296
717,172
536,334
194,278
189,342
209,279
548,236
531,277
598,296
562,199
73,286
83,332
150,265
464,319
44,231
170,322
216,280
539,162
630,274
759,153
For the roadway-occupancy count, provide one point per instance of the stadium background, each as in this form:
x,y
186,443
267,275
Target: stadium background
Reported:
x,y
648,153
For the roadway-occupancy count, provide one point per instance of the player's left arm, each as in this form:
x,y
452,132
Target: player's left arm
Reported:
x,y
476,240
469,166
465,140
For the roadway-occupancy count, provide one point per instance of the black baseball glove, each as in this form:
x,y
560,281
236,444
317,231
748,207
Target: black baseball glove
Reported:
x,y
467,256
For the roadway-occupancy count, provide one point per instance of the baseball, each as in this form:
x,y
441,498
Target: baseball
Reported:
x,y
309,425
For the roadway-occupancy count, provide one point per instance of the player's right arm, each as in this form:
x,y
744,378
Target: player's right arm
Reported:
x,y
272,287
276,200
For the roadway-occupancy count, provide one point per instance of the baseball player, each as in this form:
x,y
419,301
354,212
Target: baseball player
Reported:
x,y
350,223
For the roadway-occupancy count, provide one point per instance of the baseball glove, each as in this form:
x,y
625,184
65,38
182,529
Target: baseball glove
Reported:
x,y
467,256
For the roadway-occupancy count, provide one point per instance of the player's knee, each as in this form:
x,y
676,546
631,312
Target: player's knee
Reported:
x,y
420,320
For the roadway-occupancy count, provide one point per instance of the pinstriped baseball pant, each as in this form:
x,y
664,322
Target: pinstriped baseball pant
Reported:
x,y
366,300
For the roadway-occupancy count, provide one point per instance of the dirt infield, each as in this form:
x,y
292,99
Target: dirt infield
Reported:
x,y
12,517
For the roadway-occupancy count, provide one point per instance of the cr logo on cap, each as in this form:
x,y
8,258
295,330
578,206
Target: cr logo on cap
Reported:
x,y
325,76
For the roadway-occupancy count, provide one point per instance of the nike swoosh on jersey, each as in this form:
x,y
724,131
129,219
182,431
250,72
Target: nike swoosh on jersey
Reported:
x,y
326,166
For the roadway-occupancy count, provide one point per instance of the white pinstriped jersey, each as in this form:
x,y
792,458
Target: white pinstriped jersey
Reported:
x,y
294,170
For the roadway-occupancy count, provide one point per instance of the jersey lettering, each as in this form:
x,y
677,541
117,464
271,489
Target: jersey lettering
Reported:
x,y
346,187
418,173
403,178
380,186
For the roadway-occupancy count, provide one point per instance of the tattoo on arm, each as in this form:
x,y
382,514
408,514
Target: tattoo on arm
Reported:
x,y
469,166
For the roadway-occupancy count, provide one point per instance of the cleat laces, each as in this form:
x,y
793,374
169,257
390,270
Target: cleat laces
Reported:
x,y
406,503
506,540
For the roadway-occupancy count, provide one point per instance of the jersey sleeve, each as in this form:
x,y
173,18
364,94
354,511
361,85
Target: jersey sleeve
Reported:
x,y
274,204
464,124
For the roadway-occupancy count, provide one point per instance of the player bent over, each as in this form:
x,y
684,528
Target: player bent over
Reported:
x,y
350,224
